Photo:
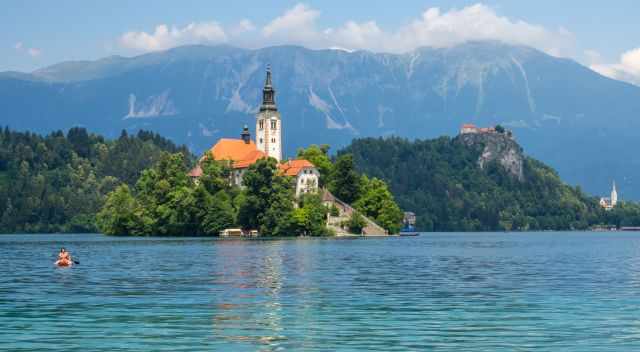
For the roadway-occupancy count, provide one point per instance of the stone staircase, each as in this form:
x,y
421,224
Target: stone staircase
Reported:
x,y
334,222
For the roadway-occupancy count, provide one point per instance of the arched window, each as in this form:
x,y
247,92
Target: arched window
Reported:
x,y
273,124
261,123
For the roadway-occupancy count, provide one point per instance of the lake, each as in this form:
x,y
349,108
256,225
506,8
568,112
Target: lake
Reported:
x,y
445,292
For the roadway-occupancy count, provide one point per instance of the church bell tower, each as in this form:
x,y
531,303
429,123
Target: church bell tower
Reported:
x,y
268,123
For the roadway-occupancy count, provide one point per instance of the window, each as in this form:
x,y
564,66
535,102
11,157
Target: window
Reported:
x,y
273,140
273,124
260,138
261,123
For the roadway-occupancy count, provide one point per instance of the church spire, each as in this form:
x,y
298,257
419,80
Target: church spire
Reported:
x,y
268,94
614,195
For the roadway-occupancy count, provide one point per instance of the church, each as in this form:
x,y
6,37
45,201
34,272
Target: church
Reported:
x,y
243,152
609,203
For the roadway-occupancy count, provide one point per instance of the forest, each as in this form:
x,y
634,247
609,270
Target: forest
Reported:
x,y
441,182
138,185
80,182
58,182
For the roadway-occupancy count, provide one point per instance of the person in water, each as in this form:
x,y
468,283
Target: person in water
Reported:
x,y
64,258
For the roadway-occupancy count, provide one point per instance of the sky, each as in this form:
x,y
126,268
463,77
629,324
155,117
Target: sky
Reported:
x,y
602,35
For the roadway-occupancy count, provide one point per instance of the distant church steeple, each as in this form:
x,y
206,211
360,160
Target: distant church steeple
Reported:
x,y
614,195
268,124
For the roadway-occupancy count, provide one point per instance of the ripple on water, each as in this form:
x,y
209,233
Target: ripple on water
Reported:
x,y
480,292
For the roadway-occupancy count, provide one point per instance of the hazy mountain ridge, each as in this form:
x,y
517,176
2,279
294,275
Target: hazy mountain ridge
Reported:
x,y
579,122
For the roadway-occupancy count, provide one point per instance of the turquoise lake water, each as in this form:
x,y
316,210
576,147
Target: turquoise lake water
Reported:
x,y
443,292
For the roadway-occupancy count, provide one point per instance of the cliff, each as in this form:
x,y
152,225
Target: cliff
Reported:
x,y
497,147
475,182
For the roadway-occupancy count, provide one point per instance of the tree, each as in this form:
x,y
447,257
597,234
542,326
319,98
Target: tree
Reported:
x,y
345,181
117,215
356,223
377,203
213,213
268,200
215,174
311,216
499,129
79,139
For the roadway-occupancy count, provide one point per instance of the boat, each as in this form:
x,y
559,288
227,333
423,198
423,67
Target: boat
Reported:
x,y
238,233
409,222
63,263
408,231
408,234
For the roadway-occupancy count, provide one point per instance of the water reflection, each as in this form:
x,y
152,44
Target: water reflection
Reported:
x,y
252,308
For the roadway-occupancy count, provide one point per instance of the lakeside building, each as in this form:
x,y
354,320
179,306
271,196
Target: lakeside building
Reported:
x,y
243,152
609,203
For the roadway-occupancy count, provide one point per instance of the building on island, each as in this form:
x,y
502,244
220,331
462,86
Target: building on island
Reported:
x,y
243,152
305,173
609,203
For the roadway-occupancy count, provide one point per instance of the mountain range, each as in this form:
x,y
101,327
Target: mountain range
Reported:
x,y
583,124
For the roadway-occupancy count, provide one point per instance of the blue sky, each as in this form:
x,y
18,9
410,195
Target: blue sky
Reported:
x,y
35,34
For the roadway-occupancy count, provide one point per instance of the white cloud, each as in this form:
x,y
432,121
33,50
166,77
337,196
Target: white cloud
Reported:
x,y
299,25
627,69
295,26
433,28
476,22
245,26
164,37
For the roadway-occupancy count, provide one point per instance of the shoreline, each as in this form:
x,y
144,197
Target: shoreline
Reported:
x,y
345,236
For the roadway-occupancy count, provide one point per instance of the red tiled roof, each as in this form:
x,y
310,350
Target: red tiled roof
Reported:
x,y
249,159
232,149
469,125
293,167
241,154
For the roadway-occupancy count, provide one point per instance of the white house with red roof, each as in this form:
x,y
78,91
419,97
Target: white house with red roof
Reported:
x,y
244,152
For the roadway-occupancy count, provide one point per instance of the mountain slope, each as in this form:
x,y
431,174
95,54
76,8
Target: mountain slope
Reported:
x,y
480,182
579,122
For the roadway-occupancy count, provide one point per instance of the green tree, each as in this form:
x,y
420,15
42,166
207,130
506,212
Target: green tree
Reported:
x,y
377,203
345,181
213,213
268,200
355,223
117,215
311,216
215,174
